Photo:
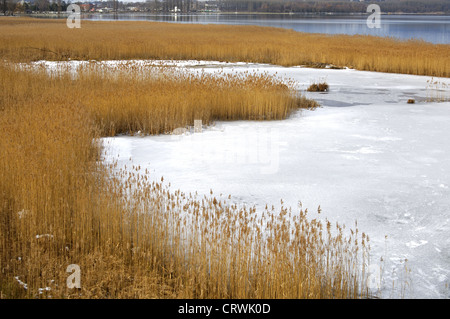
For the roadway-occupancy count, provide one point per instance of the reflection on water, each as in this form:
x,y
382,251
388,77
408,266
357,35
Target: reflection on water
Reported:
x,y
431,28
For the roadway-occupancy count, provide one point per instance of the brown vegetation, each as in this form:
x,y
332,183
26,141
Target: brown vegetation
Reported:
x,y
318,87
26,39
132,238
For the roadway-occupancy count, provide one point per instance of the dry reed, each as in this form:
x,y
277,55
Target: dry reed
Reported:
x,y
318,87
26,39
132,238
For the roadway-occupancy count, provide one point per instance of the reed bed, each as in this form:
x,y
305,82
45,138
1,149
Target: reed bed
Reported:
x,y
318,87
131,98
60,204
26,39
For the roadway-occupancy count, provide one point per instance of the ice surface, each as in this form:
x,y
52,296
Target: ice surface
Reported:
x,y
365,155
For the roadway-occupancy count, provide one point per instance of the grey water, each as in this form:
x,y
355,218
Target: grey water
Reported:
x,y
430,28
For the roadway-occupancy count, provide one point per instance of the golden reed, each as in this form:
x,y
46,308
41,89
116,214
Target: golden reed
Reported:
x,y
132,238
26,39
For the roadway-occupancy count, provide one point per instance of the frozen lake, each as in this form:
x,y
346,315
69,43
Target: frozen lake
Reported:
x,y
365,155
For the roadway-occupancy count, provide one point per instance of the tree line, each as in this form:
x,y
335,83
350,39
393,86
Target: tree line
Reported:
x,y
268,6
298,6
9,7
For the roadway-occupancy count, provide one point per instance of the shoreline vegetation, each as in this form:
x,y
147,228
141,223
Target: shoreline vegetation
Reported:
x,y
28,39
60,204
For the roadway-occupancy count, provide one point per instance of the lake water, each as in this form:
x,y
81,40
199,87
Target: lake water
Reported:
x,y
431,28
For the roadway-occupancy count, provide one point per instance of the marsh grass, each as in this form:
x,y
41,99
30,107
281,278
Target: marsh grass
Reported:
x,y
318,87
27,39
60,204
437,91
131,98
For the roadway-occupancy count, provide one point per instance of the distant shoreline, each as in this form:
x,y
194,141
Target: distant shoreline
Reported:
x,y
55,14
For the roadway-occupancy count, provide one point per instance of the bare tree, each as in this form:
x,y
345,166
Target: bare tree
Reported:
x,y
4,7
43,5
12,6
9,6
